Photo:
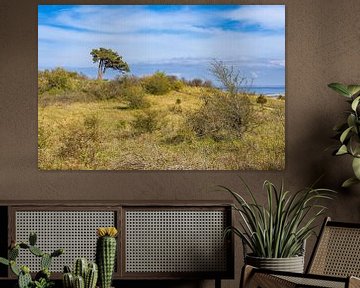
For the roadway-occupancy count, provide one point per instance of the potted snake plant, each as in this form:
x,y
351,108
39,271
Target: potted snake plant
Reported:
x,y
274,234
348,132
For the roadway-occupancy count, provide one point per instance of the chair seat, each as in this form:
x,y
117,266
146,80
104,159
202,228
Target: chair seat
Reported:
x,y
314,282
269,279
335,262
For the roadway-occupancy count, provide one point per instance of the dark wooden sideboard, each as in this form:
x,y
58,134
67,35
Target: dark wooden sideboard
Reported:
x,y
157,240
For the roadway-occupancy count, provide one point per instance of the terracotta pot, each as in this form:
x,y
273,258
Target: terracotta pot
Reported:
x,y
291,264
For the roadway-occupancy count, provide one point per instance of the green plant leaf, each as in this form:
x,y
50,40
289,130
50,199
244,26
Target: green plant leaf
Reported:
x,y
353,89
354,145
345,134
340,88
4,261
349,182
342,150
279,228
355,103
356,167
351,120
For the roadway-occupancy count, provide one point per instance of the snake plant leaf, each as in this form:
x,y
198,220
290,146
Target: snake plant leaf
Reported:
x,y
340,88
349,182
279,228
342,150
345,134
356,167
355,103
353,89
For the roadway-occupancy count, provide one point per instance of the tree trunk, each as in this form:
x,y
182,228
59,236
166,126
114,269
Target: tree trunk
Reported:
x,y
100,68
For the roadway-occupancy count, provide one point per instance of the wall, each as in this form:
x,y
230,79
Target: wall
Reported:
x,y
323,40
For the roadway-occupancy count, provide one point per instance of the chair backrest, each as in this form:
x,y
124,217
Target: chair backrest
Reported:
x,y
337,251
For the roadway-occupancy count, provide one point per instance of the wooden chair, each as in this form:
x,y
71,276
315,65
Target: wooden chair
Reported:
x,y
335,262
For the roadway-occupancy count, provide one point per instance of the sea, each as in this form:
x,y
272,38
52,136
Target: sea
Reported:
x,y
181,71
268,90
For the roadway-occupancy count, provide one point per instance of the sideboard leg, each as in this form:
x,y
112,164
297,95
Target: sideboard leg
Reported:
x,y
217,283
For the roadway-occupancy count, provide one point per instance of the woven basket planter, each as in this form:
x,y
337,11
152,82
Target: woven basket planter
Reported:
x,y
291,264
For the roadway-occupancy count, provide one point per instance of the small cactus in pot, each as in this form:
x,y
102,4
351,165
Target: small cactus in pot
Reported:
x,y
42,278
106,254
85,275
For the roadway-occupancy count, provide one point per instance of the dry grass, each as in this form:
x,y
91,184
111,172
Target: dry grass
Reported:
x,y
101,135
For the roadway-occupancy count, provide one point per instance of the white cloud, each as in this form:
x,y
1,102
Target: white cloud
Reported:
x,y
130,18
265,16
148,36
278,62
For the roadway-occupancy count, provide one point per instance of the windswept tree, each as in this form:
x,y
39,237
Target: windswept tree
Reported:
x,y
108,58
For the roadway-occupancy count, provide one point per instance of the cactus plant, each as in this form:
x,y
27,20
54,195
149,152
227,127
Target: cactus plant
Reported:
x,y
42,278
106,254
32,239
68,280
45,261
84,274
91,276
80,268
24,277
79,282
13,253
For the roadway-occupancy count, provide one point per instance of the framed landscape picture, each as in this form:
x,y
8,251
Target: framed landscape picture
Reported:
x,y
161,87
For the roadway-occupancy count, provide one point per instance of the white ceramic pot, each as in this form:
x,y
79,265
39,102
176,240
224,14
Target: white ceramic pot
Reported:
x,y
291,264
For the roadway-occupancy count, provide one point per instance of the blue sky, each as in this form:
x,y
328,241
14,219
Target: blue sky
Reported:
x,y
249,37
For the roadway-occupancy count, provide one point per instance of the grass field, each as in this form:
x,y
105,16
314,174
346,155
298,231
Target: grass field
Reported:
x,y
85,134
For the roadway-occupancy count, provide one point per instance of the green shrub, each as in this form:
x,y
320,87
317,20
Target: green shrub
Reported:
x,y
157,84
135,96
221,116
128,81
103,90
261,100
177,85
57,80
127,88
145,121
